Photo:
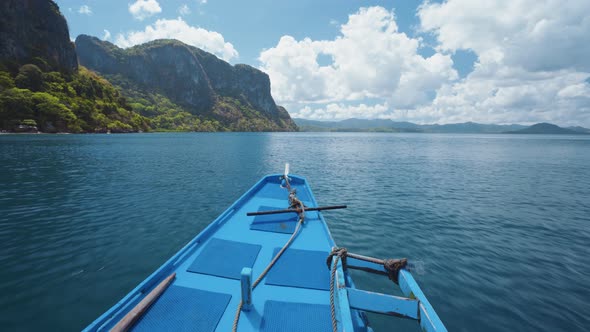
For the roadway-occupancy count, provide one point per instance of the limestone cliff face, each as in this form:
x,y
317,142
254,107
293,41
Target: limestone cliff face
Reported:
x,y
32,29
239,81
191,77
172,68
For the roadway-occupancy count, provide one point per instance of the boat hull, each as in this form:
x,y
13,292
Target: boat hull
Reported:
x,y
217,282
294,282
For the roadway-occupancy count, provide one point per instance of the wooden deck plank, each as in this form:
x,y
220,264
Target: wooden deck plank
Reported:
x,y
138,311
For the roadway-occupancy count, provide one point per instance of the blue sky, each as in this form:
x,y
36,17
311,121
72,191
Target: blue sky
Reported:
x,y
250,26
517,61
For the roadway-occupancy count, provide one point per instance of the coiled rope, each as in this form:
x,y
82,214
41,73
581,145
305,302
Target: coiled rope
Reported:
x,y
339,253
294,202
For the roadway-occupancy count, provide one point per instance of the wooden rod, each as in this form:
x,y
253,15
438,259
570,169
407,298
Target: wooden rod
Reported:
x,y
133,315
320,208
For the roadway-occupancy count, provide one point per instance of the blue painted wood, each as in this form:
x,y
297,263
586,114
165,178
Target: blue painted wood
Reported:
x,y
342,306
246,288
429,320
383,304
234,225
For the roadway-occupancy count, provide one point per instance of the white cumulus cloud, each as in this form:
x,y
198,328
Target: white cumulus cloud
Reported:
x,y
533,60
107,35
210,41
512,95
184,10
340,111
142,9
575,90
532,65
535,34
369,59
85,9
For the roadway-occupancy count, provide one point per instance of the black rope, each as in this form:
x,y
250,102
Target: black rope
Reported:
x,y
294,202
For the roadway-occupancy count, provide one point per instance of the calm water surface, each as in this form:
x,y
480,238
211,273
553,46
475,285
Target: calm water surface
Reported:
x,y
500,223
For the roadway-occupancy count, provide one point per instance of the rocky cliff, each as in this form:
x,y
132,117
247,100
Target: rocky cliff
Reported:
x,y
41,85
162,85
34,31
237,96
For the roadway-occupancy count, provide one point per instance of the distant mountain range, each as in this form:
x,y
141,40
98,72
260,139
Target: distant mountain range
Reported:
x,y
548,128
386,125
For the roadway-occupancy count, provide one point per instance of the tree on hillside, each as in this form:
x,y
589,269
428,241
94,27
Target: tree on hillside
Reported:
x,y
15,105
52,113
29,77
6,81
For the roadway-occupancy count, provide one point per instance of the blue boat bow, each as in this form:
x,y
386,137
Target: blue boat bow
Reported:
x,y
223,279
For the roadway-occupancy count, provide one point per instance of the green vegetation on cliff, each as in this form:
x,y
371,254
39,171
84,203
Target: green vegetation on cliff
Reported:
x,y
164,115
169,116
61,102
84,101
41,85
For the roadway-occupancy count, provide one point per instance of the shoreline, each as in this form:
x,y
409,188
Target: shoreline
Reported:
x,y
315,132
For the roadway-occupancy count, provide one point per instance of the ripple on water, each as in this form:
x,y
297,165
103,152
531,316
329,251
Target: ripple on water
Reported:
x,y
500,224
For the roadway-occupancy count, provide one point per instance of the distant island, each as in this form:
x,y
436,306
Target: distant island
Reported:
x,y
389,126
549,128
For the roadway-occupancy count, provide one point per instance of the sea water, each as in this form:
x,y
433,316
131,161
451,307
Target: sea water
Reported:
x,y
500,224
